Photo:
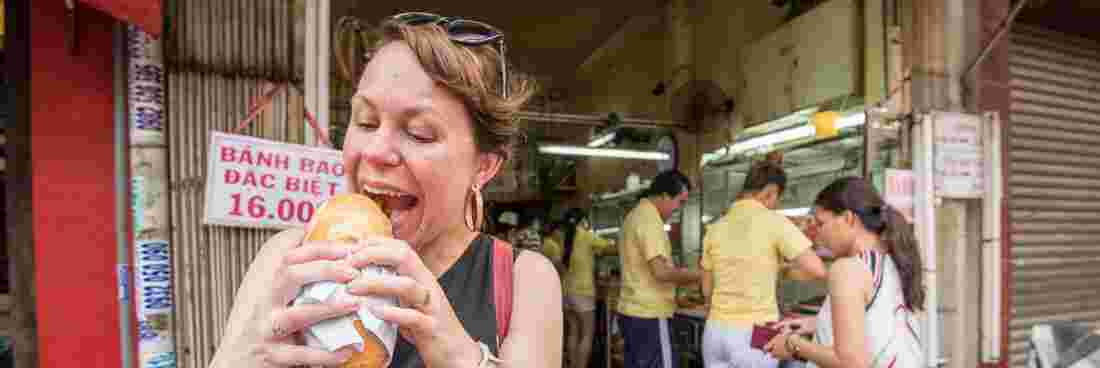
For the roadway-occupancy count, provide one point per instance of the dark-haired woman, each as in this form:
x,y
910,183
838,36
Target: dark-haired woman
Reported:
x,y
875,286
579,249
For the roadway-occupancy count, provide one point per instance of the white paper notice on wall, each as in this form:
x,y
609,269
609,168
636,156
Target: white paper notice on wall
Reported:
x,y
958,164
898,191
253,182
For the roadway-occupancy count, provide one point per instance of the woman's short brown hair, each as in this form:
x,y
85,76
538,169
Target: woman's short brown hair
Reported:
x,y
763,173
473,73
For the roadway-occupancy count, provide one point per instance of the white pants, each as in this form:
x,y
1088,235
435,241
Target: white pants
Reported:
x,y
730,347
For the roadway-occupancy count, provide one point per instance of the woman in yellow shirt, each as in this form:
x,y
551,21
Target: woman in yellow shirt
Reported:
x,y
580,247
742,259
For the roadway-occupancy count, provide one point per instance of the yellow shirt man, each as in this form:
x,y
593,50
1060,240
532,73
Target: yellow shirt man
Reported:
x,y
744,251
552,249
579,277
643,239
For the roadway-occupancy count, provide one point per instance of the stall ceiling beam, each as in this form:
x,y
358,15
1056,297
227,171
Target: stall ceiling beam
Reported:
x,y
597,120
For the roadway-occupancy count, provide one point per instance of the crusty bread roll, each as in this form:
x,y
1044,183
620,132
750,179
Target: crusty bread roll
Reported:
x,y
350,217
374,354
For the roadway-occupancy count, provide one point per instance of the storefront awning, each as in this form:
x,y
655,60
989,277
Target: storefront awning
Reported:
x,y
145,14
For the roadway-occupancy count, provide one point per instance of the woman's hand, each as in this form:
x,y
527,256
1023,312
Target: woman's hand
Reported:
x,y
777,347
797,326
263,330
424,316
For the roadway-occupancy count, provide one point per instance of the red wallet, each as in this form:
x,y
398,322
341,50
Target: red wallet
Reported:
x,y
761,335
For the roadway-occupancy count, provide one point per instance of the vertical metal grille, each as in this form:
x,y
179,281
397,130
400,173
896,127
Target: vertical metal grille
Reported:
x,y
1054,181
220,56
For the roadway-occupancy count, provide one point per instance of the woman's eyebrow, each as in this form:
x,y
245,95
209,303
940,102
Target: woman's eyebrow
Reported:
x,y
418,109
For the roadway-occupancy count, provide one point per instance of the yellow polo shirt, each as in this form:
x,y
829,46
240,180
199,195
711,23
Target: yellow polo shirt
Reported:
x,y
643,239
581,275
552,249
744,251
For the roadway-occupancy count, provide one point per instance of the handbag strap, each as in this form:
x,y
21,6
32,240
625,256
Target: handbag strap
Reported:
x,y
503,259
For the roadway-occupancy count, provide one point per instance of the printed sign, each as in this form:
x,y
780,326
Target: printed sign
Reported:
x,y
958,155
146,86
254,182
137,203
159,360
123,282
153,274
151,270
153,293
898,192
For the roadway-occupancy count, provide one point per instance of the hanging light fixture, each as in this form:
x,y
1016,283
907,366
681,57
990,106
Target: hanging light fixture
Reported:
x,y
563,150
603,139
790,134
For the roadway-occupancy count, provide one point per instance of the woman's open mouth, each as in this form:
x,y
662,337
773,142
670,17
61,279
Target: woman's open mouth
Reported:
x,y
394,203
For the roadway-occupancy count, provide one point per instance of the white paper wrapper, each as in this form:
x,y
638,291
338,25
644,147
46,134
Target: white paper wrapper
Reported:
x,y
339,332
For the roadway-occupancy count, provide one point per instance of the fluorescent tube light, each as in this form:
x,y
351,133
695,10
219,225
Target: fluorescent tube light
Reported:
x,y
603,152
773,138
607,230
794,212
612,230
851,121
804,131
602,140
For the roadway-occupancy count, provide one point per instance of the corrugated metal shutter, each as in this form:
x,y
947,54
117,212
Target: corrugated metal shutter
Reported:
x,y
220,55
1054,181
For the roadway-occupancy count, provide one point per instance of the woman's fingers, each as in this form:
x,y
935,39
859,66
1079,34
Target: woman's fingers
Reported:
x,y
408,319
407,290
289,279
289,320
770,347
783,325
790,325
320,250
414,285
391,252
286,355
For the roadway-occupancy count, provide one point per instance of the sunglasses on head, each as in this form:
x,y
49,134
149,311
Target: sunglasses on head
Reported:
x,y
464,32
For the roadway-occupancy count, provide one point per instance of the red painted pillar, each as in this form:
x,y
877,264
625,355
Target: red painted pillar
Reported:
x,y
72,160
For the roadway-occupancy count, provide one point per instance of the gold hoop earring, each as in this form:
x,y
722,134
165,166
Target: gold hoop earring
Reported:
x,y
474,215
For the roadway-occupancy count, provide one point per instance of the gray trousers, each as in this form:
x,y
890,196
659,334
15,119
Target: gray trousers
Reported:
x,y
729,347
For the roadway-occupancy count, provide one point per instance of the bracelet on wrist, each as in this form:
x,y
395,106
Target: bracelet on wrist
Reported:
x,y
793,348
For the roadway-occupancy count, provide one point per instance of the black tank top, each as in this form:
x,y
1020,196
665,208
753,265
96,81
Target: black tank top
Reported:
x,y
469,287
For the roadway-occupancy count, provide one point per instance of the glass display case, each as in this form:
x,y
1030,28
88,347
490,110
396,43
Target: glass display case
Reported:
x,y
811,163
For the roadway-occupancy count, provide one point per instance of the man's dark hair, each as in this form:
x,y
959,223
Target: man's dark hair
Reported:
x,y
670,182
763,173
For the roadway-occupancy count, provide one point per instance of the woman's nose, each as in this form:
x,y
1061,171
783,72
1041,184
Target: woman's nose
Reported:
x,y
381,150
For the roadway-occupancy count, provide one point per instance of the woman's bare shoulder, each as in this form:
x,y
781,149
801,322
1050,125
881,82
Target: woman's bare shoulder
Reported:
x,y
535,267
849,274
846,268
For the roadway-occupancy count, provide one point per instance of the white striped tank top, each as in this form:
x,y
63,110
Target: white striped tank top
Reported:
x,y
893,335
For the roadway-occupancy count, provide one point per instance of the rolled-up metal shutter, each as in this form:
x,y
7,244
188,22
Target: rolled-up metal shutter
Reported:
x,y
220,57
1054,181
